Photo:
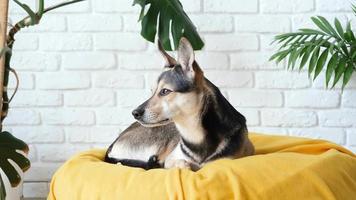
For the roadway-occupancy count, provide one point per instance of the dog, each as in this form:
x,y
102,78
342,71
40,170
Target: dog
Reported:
x,y
186,123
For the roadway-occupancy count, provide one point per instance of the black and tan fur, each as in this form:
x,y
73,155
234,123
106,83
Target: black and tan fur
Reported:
x,y
186,123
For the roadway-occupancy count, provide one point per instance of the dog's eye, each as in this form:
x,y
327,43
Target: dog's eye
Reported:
x,y
164,92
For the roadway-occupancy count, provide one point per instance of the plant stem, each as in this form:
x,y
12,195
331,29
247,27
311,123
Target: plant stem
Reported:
x,y
3,27
25,22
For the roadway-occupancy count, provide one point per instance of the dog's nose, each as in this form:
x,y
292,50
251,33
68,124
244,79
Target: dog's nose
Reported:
x,y
137,113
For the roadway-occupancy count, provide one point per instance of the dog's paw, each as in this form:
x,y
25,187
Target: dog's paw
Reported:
x,y
179,163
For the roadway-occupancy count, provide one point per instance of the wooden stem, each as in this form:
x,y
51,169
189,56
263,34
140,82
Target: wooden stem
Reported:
x,y
3,28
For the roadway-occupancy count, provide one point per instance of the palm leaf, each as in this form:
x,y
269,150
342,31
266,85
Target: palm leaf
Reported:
x,y
169,18
292,57
276,55
328,26
283,55
347,74
8,146
306,56
311,31
330,68
349,35
339,71
320,63
313,60
320,25
304,45
339,28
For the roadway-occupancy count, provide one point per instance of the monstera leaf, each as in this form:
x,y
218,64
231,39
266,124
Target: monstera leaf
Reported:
x,y
168,18
2,189
8,150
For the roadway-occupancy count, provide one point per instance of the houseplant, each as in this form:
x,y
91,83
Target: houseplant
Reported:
x,y
333,46
160,15
9,145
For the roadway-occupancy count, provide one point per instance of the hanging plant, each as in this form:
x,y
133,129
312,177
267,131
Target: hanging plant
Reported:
x,y
169,19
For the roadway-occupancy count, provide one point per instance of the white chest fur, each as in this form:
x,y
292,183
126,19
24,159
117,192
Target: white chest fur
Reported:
x,y
125,151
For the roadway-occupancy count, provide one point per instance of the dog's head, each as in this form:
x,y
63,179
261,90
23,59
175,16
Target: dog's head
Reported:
x,y
177,92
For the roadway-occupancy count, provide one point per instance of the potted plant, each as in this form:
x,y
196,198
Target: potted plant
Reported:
x,y
10,145
333,46
159,16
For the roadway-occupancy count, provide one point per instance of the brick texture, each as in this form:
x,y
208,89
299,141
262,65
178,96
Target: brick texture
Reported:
x,y
86,67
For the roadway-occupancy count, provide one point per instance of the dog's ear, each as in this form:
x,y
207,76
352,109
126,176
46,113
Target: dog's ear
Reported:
x,y
170,61
186,55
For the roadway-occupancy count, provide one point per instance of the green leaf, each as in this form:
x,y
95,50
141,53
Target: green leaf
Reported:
x,y
312,31
336,41
10,142
331,67
282,56
279,39
8,146
305,48
313,60
292,58
319,24
285,35
32,14
339,71
349,35
328,26
163,29
306,56
288,41
160,15
339,28
149,23
304,39
331,48
276,55
347,75
320,63
296,56
176,32
353,56
9,170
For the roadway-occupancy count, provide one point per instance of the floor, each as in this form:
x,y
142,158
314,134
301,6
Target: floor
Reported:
x,y
34,199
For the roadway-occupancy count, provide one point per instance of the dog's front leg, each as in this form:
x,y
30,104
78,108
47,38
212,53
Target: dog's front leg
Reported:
x,y
176,163
177,159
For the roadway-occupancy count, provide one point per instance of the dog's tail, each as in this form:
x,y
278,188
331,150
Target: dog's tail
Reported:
x,y
152,163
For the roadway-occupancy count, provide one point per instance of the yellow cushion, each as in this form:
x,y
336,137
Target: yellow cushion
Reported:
x,y
284,168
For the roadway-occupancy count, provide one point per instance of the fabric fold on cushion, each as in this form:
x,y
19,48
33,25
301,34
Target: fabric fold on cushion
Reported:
x,y
283,168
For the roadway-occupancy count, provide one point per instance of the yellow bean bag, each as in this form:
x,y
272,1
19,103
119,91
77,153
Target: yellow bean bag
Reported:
x,y
284,168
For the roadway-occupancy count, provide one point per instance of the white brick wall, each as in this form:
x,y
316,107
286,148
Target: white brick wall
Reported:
x,y
85,67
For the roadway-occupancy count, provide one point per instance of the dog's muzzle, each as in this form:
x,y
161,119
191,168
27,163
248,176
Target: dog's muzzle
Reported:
x,y
138,113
